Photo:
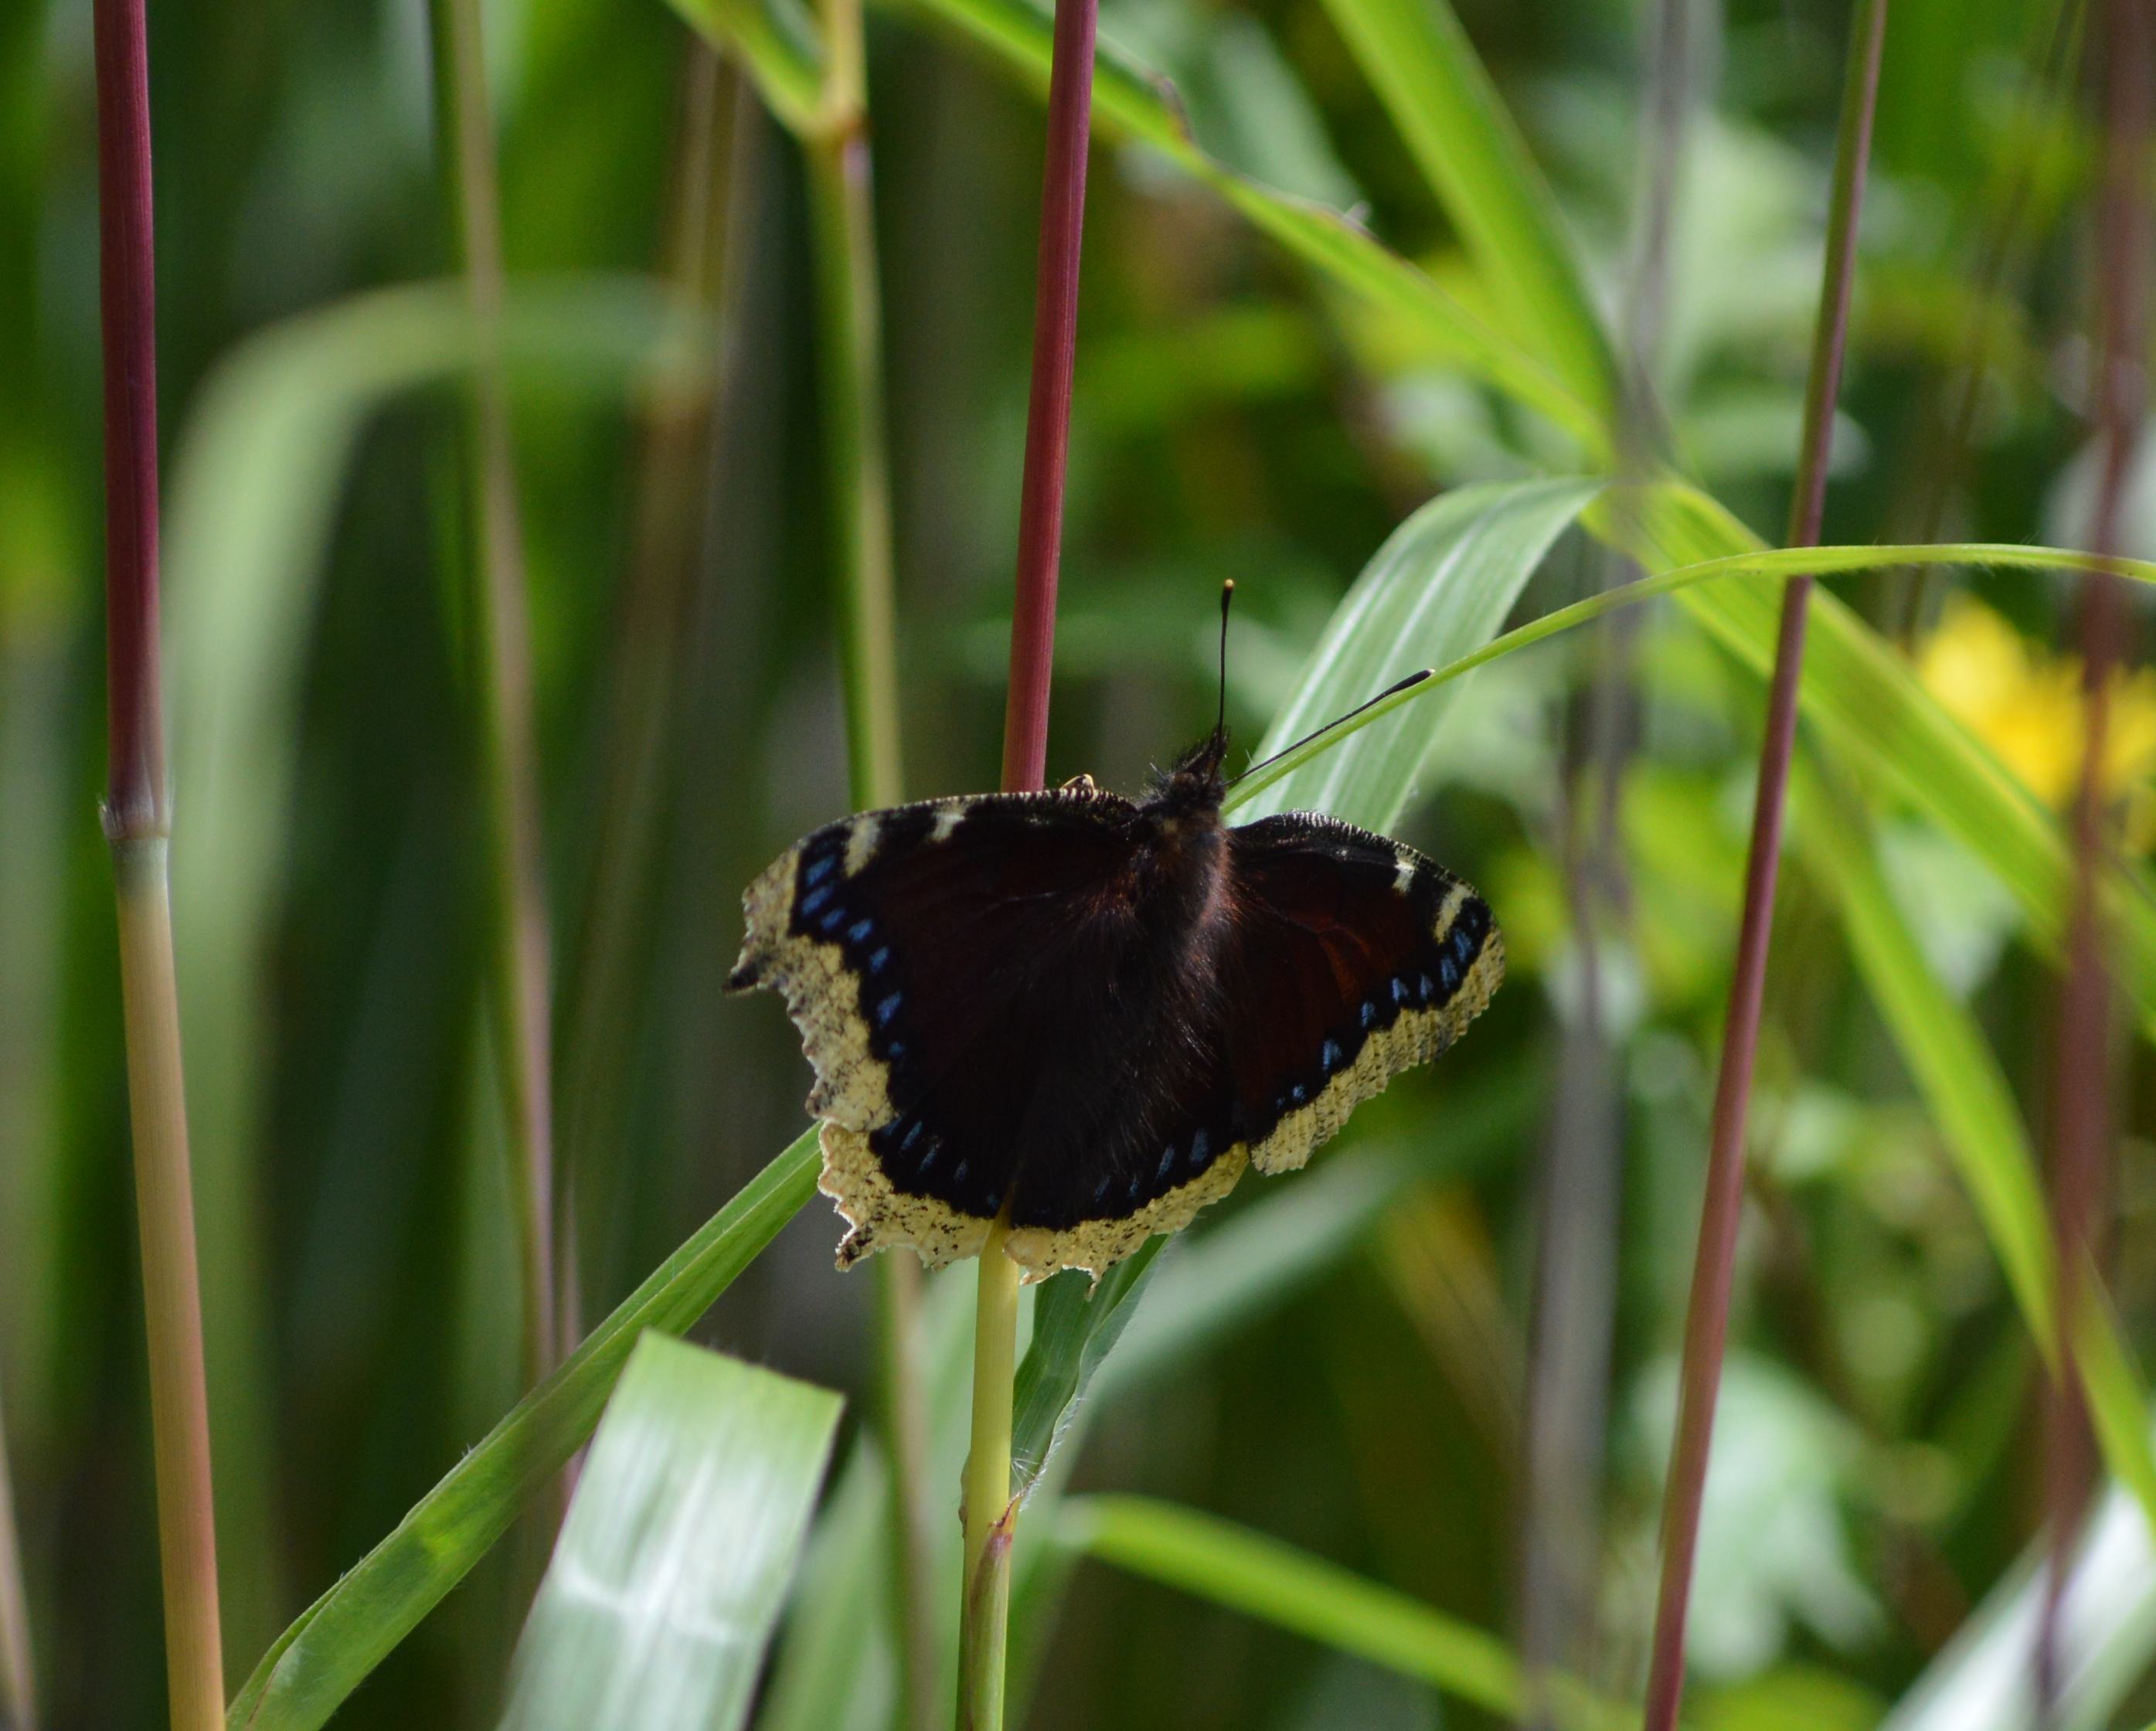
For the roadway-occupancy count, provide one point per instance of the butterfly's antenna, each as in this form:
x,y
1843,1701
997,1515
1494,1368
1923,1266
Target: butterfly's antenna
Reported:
x,y
1393,691
1220,721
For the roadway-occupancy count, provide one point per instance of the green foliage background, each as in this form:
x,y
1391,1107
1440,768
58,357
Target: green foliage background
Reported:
x,y
1339,1361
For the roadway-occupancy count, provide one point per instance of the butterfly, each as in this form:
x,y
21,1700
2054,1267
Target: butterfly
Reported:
x,y
1096,1012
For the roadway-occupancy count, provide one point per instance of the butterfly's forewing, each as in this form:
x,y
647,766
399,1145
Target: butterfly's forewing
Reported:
x,y
911,946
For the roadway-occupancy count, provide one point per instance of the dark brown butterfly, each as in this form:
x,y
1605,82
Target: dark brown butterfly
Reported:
x,y
1096,1012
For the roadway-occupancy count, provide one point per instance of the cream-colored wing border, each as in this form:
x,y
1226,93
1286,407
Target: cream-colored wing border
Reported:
x,y
1097,1245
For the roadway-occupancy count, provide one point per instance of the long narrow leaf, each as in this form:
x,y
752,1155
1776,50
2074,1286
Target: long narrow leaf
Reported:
x,y
1973,1108
346,1633
1434,87
1215,1560
668,1577
1134,102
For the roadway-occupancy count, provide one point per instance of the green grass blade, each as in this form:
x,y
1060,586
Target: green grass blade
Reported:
x,y
669,1576
2116,1395
1434,87
1946,1054
1216,1559
1131,101
1436,591
1973,1107
318,1662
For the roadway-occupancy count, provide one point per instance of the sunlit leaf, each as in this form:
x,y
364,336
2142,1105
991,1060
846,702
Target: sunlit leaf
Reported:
x,y
678,1550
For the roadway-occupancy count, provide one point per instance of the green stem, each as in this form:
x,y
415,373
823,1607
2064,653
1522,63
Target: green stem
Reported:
x,y
520,987
841,194
171,1296
989,1511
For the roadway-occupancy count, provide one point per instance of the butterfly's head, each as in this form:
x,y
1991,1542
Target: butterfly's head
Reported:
x,y
1195,783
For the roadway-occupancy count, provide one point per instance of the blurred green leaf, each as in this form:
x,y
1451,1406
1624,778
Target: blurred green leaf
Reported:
x,y
1437,590
1217,1281
318,1662
1973,1108
1969,1100
670,1572
1981,1680
1133,101
2116,1395
1435,88
1246,1571
256,482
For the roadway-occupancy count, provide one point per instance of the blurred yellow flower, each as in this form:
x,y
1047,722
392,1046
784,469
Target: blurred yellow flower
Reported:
x,y
2026,703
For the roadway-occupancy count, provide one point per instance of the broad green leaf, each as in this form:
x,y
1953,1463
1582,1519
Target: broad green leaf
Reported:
x,y
1436,591
1857,691
1230,1565
668,1577
318,1662
1133,101
1434,87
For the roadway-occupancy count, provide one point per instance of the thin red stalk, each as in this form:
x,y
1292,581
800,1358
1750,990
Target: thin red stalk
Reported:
x,y
137,823
135,800
2081,1070
1048,409
1707,1320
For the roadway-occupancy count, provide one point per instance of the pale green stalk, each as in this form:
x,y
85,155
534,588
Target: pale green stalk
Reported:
x,y
172,1294
520,941
989,1512
850,376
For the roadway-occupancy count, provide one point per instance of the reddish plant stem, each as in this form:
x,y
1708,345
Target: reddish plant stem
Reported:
x,y
137,821
2082,1067
1706,1320
135,800
1048,409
